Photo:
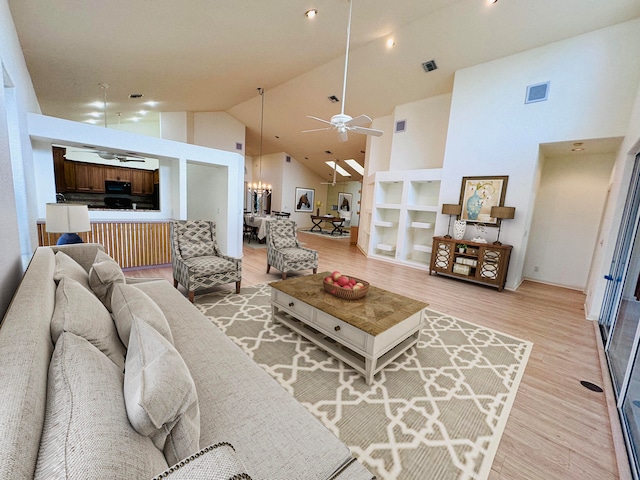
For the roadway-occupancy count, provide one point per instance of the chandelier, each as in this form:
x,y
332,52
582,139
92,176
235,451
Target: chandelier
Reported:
x,y
258,187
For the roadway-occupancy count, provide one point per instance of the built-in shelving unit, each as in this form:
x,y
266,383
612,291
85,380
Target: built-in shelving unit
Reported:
x,y
404,215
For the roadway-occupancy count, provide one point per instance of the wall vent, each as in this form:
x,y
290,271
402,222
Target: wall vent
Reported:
x,y
537,93
287,159
429,66
238,146
401,126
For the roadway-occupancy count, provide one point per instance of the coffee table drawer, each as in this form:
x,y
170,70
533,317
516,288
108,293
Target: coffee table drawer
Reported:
x,y
340,330
292,304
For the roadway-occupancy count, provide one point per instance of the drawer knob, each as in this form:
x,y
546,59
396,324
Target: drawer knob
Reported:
x,y
291,304
337,328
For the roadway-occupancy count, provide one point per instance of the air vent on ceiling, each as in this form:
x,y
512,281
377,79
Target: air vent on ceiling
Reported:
x,y
401,126
537,93
136,95
429,66
333,99
238,146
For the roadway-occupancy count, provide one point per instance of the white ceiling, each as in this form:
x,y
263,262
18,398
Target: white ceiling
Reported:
x,y
196,55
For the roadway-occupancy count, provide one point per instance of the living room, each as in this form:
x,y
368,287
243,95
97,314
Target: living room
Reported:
x,y
478,127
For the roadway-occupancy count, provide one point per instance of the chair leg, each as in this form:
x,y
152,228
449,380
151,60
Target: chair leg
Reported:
x,y
284,275
315,270
175,283
191,296
268,267
238,287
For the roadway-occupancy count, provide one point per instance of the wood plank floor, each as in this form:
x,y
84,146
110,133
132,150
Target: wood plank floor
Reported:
x,y
557,428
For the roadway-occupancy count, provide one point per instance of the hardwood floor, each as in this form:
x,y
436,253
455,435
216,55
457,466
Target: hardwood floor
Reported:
x,y
557,429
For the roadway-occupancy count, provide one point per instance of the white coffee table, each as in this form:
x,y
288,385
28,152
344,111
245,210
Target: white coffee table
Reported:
x,y
366,334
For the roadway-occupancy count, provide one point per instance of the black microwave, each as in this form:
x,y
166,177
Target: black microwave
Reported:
x,y
112,186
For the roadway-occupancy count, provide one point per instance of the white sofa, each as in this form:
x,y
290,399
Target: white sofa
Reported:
x,y
66,408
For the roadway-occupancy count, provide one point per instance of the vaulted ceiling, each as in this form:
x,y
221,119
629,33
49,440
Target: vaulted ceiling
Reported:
x,y
212,55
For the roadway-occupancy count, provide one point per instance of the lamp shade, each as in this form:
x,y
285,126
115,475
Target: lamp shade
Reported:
x,y
451,209
503,212
67,218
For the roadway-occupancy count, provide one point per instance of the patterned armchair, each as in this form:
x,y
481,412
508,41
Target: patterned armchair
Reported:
x,y
196,260
283,250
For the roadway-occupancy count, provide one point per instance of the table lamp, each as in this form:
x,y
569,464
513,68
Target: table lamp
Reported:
x,y
318,205
68,219
502,213
450,209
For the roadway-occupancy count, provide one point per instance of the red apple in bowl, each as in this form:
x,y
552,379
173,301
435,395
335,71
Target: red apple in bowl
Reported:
x,y
348,286
336,275
352,281
329,280
343,280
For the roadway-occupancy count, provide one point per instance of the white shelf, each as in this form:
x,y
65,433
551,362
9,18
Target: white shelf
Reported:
x,y
380,223
389,206
385,247
421,225
423,208
423,248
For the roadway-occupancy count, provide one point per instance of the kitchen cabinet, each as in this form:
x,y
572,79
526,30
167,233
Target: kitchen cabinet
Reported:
x,y
119,174
89,178
472,261
141,182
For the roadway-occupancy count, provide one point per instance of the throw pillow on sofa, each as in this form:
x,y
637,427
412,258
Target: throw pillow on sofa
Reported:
x,y
216,462
104,273
78,311
68,267
127,301
86,432
160,395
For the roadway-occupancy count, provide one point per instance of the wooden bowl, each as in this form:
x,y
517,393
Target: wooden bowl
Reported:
x,y
346,293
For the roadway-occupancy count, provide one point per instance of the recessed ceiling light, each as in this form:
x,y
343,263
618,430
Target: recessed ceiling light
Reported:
x,y
491,2
151,103
95,114
311,13
577,149
390,43
97,104
143,112
355,165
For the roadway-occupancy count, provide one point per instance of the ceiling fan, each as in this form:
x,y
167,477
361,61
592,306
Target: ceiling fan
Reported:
x,y
342,122
106,155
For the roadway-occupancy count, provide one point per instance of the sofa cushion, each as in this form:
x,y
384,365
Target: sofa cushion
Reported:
x,y
68,267
127,301
78,311
216,462
159,393
104,273
86,432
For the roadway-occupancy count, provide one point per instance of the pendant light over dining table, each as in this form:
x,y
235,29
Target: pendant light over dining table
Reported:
x,y
259,187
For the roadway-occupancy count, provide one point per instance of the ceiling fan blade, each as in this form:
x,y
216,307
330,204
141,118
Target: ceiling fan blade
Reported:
x,y
367,131
317,129
359,121
319,119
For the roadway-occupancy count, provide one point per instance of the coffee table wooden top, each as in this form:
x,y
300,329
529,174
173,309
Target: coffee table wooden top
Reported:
x,y
375,313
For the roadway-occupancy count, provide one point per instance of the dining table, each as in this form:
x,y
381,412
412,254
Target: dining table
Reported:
x,y
260,222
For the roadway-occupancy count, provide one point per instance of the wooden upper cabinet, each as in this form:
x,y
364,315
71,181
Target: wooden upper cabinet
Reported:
x,y
58,169
89,177
142,182
119,174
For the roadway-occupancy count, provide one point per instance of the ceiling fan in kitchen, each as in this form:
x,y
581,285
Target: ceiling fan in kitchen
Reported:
x,y
107,155
342,122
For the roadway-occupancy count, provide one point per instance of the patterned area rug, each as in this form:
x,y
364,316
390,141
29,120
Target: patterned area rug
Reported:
x,y
327,234
437,412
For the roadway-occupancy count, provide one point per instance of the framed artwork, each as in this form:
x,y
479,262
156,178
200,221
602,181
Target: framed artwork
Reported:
x,y
305,198
344,202
478,195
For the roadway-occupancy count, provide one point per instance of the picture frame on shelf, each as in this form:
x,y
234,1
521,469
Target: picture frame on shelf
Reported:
x,y
478,195
305,199
344,202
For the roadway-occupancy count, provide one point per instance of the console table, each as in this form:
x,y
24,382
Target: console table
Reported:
x,y
485,263
336,223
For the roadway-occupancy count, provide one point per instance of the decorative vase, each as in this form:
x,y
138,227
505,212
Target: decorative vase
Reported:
x,y
458,229
474,204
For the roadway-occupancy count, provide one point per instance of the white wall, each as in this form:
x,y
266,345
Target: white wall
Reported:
x,y
295,174
422,145
17,97
218,130
177,126
566,218
492,132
